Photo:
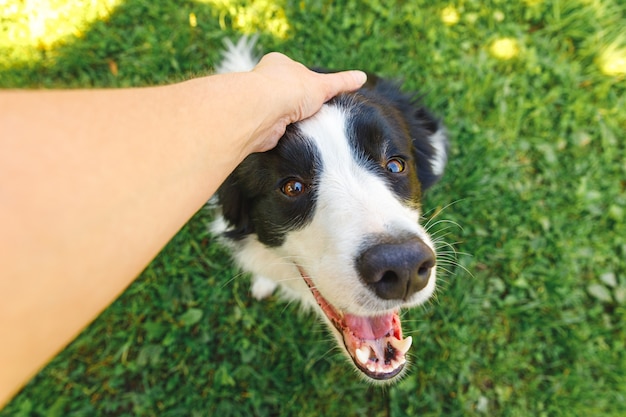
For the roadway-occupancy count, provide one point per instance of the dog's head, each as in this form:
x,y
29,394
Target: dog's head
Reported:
x,y
332,216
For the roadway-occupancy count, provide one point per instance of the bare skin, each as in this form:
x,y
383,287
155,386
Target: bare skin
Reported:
x,y
93,183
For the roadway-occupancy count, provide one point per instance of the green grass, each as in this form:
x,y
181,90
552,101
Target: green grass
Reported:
x,y
537,182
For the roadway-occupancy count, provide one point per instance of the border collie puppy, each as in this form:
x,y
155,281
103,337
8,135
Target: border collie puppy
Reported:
x,y
331,215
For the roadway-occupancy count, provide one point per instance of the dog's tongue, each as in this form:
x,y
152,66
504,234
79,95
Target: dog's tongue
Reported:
x,y
370,328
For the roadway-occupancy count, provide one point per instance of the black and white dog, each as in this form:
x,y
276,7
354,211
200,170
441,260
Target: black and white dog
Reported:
x,y
331,215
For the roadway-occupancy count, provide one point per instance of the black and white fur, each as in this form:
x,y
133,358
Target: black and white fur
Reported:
x,y
331,215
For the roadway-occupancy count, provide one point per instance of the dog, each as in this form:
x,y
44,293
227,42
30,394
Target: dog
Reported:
x,y
331,215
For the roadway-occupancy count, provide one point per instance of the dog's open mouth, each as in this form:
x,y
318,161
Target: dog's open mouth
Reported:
x,y
375,344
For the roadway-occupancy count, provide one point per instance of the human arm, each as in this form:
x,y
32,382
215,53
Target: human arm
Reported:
x,y
93,183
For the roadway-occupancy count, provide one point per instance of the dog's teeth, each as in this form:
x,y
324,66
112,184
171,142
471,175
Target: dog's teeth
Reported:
x,y
363,354
407,344
402,346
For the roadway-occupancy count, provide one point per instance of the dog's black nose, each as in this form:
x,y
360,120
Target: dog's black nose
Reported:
x,y
395,271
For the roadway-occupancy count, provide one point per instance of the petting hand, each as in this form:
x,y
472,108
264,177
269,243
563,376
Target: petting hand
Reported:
x,y
298,92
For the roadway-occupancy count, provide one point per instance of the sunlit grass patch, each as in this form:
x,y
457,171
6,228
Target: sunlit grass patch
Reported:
x,y
32,28
450,16
252,16
612,60
505,48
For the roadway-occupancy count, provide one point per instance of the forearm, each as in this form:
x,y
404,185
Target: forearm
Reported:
x,y
94,183
83,211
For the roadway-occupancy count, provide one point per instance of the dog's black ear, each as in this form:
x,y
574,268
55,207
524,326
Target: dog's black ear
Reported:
x,y
429,136
430,145
430,140
235,206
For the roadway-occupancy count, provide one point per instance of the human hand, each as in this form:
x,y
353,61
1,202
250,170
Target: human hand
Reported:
x,y
295,92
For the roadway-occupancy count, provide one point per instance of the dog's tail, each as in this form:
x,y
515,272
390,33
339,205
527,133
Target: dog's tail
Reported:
x,y
239,57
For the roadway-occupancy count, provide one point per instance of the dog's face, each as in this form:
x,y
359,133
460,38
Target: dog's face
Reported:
x,y
331,215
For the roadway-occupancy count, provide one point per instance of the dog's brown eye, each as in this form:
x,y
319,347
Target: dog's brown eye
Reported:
x,y
395,165
293,188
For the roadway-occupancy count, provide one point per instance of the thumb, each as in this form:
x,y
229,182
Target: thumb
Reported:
x,y
344,81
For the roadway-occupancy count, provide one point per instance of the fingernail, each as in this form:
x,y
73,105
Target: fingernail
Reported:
x,y
360,76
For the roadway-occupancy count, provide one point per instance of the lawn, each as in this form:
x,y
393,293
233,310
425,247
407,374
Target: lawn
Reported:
x,y
530,319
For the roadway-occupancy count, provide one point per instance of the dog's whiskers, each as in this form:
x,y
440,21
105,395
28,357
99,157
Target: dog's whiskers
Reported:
x,y
295,278
438,211
287,305
453,262
235,277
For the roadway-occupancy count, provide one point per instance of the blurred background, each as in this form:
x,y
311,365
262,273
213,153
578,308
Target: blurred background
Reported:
x,y
530,316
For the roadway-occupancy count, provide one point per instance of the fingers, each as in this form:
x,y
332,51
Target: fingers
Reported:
x,y
329,85
344,81
296,92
